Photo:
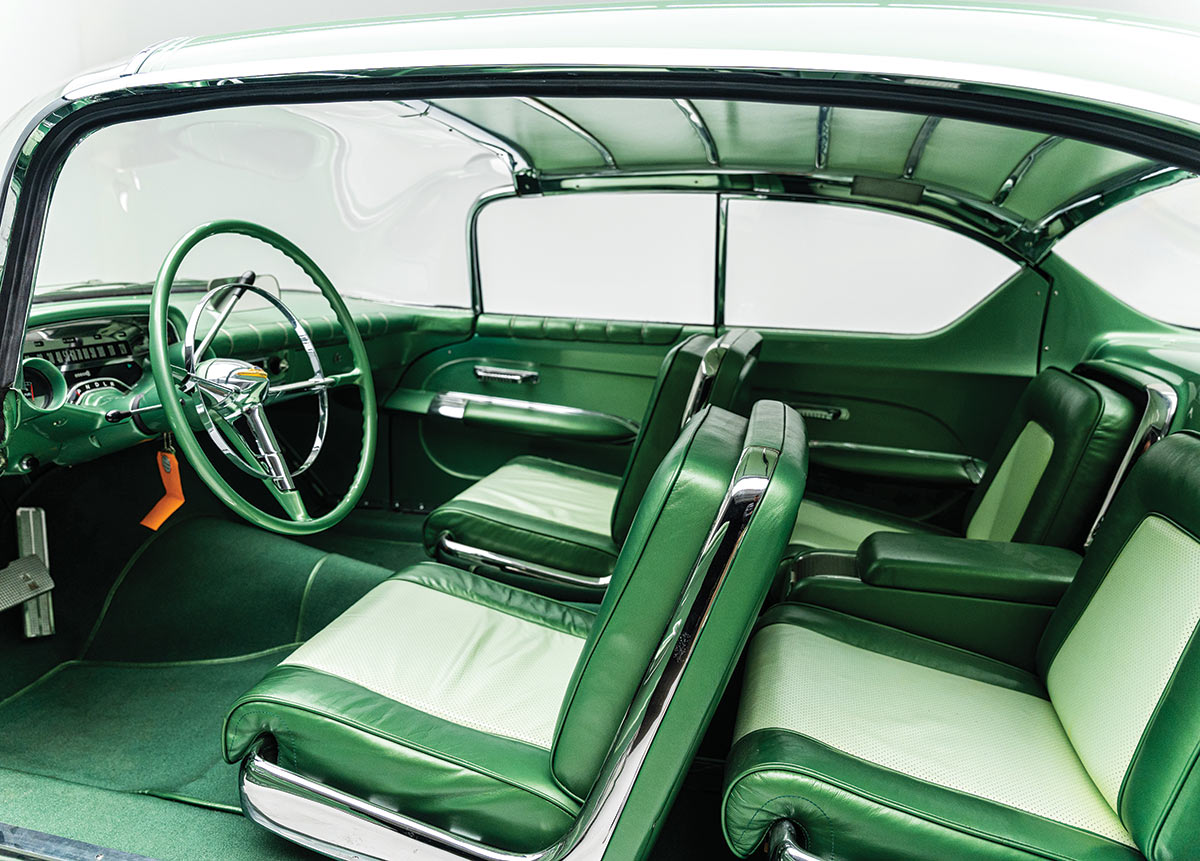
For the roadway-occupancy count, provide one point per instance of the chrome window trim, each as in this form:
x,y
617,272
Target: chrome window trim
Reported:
x,y
281,800
1162,402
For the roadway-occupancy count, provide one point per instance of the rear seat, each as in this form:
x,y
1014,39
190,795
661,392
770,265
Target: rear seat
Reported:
x,y
857,740
1055,459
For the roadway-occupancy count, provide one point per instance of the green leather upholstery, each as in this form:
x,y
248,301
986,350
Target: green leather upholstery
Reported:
x,y
883,744
488,711
1055,459
572,519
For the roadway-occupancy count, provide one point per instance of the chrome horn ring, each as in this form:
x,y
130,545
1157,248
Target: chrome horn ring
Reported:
x,y
239,389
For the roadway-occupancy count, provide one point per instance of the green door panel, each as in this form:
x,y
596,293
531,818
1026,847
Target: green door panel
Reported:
x,y
515,416
605,369
948,392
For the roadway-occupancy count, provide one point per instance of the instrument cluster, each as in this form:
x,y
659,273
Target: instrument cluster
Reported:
x,y
83,362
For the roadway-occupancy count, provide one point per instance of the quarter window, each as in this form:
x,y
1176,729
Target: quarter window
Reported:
x,y
841,268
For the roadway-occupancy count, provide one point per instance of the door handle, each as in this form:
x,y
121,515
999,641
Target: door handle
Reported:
x,y
492,374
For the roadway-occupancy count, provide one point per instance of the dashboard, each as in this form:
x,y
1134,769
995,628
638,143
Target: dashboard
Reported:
x,y
86,362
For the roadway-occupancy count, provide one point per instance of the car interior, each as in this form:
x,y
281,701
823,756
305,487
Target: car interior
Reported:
x,y
666,477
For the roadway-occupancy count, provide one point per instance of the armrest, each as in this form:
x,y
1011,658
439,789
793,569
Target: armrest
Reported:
x,y
999,570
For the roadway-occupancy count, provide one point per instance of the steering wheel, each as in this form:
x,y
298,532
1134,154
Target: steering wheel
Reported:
x,y
216,393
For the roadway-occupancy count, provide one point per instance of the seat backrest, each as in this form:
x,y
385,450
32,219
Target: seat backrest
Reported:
x,y
1057,456
698,371
1121,658
677,512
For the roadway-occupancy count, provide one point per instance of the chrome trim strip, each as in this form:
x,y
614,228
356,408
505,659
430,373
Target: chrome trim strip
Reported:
x,y
568,123
491,373
481,201
918,146
821,159
139,59
702,382
700,127
285,802
453,405
518,159
1097,194
511,565
1023,167
783,843
1162,401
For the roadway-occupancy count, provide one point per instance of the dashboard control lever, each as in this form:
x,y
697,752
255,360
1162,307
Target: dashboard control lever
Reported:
x,y
120,415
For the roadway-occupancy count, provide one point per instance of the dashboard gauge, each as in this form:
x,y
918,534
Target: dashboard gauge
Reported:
x,y
42,384
96,391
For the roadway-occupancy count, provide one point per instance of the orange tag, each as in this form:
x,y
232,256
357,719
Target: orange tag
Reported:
x,y
168,469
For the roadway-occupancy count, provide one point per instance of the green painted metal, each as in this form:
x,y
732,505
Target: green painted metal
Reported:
x,y
169,396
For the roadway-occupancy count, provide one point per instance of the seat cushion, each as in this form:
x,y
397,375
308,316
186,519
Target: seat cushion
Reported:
x,y
537,510
436,694
881,744
827,524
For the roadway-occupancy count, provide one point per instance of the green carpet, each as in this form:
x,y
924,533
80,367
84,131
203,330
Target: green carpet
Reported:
x,y
150,729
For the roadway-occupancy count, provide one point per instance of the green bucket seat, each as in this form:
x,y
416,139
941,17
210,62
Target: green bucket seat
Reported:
x,y
1057,456
557,528
877,743
485,713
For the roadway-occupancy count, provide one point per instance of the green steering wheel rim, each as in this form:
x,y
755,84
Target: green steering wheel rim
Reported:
x,y
160,366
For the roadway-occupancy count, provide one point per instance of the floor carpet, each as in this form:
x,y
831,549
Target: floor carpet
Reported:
x,y
153,729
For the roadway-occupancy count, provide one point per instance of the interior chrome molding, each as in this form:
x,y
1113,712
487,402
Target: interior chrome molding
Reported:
x,y
783,843
346,827
453,405
702,382
1117,190
1162,402
448,548
824,118
1010,182
918,146
518,160
700,127
568,123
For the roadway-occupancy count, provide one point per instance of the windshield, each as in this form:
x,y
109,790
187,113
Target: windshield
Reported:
x,y
377,192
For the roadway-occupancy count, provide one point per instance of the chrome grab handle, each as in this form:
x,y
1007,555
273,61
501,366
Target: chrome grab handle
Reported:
x,y
492,374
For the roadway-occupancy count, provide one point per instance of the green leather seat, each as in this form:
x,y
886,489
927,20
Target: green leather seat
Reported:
x,y
548,514
881,744
1057,456
488,711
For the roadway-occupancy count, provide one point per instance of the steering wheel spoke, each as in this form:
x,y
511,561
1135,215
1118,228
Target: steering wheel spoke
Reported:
x,y
230,396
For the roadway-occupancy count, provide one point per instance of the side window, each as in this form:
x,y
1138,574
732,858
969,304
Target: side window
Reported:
x,y
841,268
1145,252
613,256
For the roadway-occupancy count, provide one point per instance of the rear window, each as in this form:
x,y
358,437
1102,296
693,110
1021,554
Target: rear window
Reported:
x,y
1146,252
609,256
840,268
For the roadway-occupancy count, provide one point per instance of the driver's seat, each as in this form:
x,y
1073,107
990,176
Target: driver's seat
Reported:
x,y
461,708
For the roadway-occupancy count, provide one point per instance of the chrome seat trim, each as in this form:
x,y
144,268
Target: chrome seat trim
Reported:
x,y
469,555
346,827
783,843
1161,404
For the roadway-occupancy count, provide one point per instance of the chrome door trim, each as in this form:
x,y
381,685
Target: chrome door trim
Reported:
x,y
449,548
283,801
495,374
1162,401
453,405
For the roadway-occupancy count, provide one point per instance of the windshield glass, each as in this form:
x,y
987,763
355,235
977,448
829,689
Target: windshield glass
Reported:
x,y
378,193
